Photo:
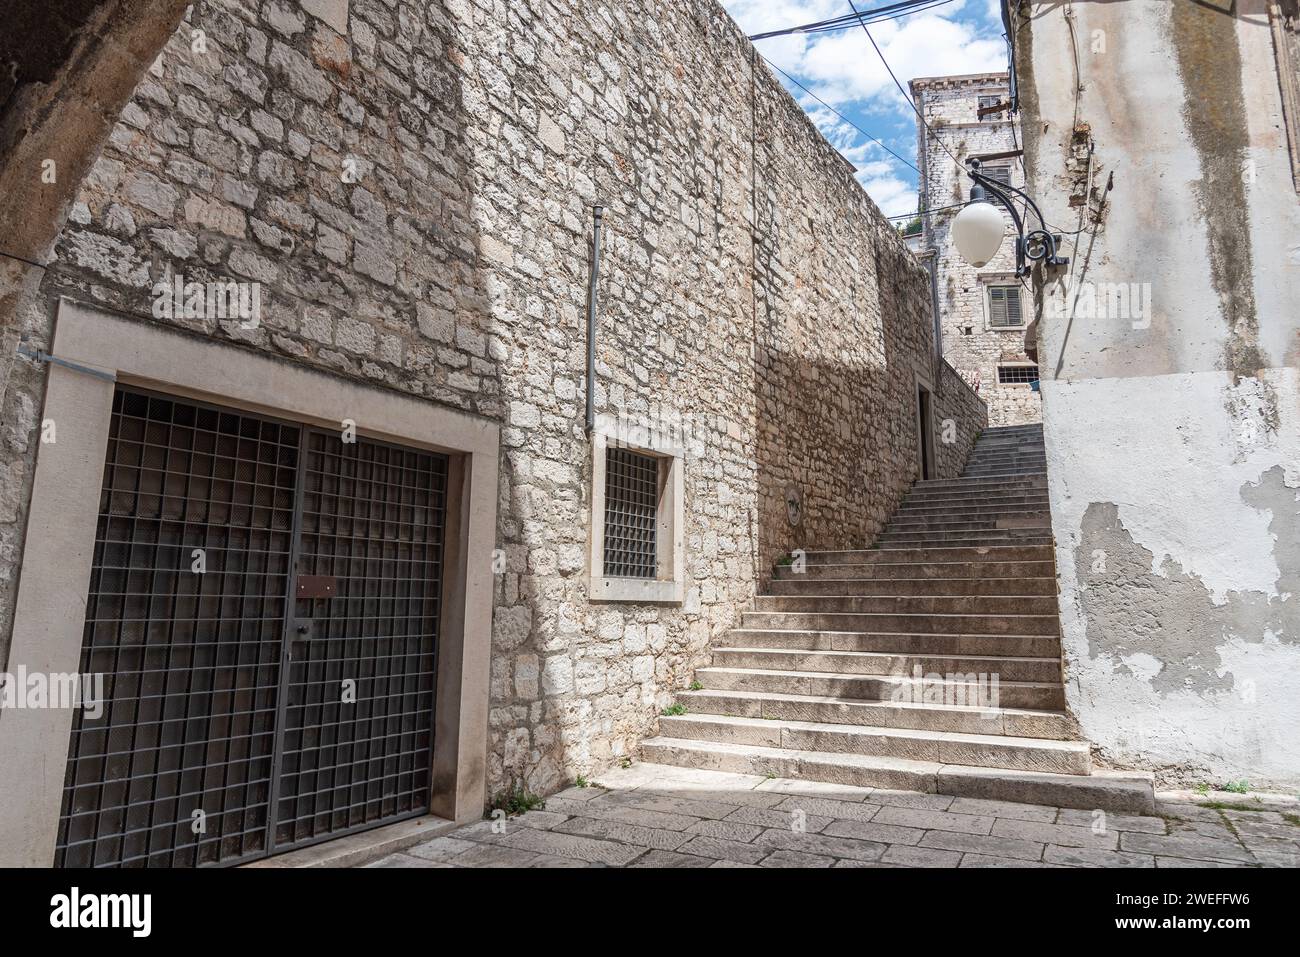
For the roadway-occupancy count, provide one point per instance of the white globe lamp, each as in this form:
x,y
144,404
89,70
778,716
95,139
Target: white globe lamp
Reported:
x,y
977,231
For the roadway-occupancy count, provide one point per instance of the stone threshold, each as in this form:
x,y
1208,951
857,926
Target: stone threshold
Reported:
x,y
355,850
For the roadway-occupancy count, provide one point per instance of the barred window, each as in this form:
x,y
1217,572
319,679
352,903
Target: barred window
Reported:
x,y
1004,307
631,514
1017,374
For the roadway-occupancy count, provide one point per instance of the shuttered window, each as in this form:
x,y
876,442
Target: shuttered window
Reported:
x,y
1004,307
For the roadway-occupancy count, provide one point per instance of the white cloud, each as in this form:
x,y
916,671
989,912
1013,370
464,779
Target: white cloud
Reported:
x,y
843,69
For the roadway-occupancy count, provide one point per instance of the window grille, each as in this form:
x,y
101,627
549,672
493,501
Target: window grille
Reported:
x,y
1004,307
1017,375
631,514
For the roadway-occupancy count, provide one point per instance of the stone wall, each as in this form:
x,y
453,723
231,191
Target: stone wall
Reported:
x,y
411,185
950,105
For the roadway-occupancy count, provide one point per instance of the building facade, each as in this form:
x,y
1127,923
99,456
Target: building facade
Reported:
x,y
1171,355
295,427
983,311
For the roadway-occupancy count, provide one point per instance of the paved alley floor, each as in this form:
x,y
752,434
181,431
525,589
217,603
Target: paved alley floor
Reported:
x,y
656,816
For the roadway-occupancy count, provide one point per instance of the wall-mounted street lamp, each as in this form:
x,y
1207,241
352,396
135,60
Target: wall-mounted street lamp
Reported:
x,y
978,229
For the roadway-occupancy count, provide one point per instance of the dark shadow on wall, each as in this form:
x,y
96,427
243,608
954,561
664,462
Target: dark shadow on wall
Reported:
x,y
838,443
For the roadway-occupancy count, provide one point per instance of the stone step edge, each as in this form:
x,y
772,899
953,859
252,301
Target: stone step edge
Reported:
x,y
1115,792
955,737
831,597
963,578
910,614
837,675
981,549
917,706
907,635
882,654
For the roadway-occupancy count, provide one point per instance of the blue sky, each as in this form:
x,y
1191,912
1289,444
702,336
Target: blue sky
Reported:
x,y
961,36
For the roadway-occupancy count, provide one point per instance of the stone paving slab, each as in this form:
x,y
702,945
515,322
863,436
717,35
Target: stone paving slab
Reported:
x,y
653,816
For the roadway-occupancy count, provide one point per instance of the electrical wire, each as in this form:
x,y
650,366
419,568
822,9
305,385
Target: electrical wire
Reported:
x,y
889,12
21,259
910,101
838,113
927,212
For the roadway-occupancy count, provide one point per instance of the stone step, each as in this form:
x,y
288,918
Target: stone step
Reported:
x,y
911,604
1008,467
1034,670
966,513
1010,536
933,623
1019,722
1025,646
803,585
1029,482
990,500
946,522
1026,461
954,500
1122,792
936,570
939,747
997,553
1035,695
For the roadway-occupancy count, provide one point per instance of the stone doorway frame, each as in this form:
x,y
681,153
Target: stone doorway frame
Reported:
x,y
50,609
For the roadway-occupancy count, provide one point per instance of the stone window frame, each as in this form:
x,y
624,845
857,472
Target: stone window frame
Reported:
x,y
987,282
61,529
669,585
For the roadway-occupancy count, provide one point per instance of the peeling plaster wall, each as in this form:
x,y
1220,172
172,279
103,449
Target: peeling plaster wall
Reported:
x,y
1174,441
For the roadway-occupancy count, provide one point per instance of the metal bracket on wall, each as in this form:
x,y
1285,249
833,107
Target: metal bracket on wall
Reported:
x,y
38,355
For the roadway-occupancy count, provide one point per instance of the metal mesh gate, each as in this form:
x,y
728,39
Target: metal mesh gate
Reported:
x,y
631,514
358,745
192,608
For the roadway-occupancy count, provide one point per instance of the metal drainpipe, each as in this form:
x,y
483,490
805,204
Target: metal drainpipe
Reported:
x,y
597,214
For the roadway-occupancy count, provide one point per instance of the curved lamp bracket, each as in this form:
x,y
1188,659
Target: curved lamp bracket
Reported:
x,y
1036,245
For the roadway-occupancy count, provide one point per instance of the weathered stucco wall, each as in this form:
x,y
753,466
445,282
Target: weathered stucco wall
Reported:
x,y
411,184
1173,432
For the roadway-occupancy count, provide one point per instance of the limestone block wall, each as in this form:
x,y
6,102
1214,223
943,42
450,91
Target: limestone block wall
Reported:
x,y
411,185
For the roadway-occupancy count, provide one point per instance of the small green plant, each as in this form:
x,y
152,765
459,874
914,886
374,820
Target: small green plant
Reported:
x,y
1293,819
1202,788
581,782
1233,806
785,560
673,710
1237,787
696,686
517,800
625,763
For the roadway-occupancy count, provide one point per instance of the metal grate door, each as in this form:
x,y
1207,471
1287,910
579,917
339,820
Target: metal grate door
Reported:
x,y
193,606
358,744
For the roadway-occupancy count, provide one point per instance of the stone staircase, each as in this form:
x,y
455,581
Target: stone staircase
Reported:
x,y
929,662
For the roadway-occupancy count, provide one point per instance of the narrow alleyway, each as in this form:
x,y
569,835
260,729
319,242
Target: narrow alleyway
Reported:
x,y
657,816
